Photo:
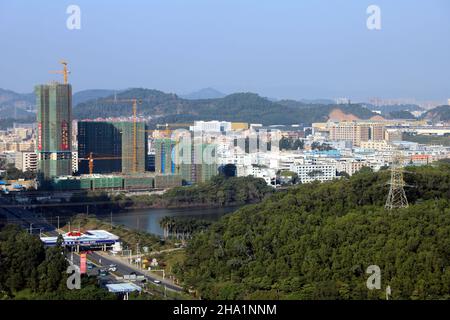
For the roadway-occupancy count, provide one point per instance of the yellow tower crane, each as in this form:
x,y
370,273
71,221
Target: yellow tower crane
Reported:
x,y
91,159
134,103
64,71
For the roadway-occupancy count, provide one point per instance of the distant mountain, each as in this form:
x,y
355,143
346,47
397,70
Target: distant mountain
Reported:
x,y
206,93
86,95
16,105
441,113
403,114
247,107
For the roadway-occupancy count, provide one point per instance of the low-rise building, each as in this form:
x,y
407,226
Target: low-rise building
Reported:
x,y
26,161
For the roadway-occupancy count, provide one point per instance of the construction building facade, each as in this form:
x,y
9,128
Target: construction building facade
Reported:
x,y
112,147
164,161
54,127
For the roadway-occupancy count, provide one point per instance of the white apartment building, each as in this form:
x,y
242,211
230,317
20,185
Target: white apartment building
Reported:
x,y
351,166
211,126
312,172
26,161
381,145
259,171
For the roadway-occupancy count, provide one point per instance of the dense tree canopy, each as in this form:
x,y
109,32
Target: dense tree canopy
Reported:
x,y
316,241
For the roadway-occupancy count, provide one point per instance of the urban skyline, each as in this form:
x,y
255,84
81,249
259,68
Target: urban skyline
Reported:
x,y
294,56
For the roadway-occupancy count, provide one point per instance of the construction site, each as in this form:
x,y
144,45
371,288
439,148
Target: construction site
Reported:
x,y
111,155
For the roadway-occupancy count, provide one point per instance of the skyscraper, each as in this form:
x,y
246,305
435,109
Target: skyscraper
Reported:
x,y
54,127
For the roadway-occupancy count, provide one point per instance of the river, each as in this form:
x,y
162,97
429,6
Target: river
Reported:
x,y
148,219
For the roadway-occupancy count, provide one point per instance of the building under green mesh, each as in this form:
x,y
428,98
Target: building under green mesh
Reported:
x,y
54,130
163,156
111,144
202,165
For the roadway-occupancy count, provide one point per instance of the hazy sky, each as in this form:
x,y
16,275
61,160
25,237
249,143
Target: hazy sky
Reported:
x,y
278,48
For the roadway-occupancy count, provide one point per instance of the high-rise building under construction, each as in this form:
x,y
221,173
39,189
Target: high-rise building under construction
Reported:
x,y
109,145
54,127
164,156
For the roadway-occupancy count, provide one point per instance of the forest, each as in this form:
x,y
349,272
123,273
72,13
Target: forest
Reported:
x,y
315,241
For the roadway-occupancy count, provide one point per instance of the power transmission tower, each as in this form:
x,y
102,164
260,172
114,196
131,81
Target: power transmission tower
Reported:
x,y
396,197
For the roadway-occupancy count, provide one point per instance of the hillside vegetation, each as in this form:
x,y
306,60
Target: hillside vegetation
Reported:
x,y
247,107
316,241
441,113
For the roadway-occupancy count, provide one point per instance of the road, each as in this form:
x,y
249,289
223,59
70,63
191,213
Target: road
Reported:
x,y
104,260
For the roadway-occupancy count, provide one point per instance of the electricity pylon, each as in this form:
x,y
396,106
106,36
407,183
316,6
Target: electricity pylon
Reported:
x,y
396,197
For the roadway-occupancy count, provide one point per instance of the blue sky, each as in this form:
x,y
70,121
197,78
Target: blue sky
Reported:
x,y
284,48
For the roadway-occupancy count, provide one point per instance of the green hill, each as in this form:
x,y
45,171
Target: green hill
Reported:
x,y
247,107
441,113
401,115
317,240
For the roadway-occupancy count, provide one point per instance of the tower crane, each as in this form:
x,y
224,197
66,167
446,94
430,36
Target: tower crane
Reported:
x,y
91,159
64,71
134,102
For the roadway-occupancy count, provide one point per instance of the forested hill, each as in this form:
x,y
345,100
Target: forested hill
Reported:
x,y
317,240
247,107
441,113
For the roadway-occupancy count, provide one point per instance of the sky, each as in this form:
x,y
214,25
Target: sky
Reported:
x,y
277,48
